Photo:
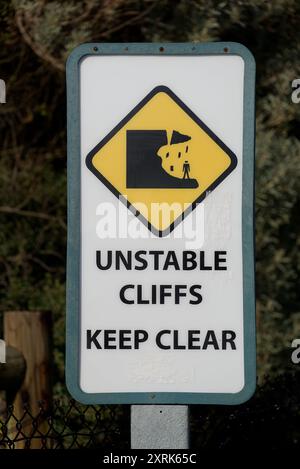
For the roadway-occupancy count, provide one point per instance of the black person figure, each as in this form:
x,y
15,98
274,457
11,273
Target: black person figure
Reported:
x,y
186,170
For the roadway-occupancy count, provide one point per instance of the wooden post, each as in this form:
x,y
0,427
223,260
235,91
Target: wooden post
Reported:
x,y
30,333
12,372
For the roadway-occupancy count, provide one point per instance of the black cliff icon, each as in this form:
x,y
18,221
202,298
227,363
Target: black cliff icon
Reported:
x,y
144,165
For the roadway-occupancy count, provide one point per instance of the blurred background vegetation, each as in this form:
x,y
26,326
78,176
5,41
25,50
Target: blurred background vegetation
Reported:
x,y
35,38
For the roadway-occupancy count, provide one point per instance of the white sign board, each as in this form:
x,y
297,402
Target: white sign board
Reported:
x,y
160,248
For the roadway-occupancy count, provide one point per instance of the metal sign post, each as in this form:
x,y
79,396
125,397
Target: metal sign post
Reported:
x,y
2,92
159,427
160,302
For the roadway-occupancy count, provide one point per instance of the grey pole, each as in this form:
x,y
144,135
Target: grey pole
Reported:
x,y
2,92
159,427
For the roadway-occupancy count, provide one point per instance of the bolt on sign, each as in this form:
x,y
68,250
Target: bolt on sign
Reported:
x,y
160,283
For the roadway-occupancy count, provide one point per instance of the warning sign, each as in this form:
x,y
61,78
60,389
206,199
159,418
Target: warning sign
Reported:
x,y
160,306
164,154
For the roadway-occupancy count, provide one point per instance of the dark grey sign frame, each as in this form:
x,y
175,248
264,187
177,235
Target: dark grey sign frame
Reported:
x,y
74,227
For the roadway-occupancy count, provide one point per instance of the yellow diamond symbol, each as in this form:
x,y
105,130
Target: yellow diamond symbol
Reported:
x,y
162,160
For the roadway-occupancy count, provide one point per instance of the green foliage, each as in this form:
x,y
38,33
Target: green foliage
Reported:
x,y
278,255
35,37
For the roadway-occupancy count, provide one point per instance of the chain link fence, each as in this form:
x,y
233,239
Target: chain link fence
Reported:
x,y
271,418
71,426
